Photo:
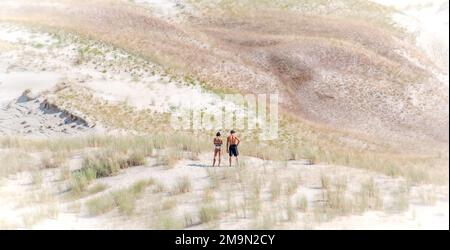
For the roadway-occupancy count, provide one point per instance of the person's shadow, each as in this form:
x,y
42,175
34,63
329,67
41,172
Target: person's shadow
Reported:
x,y
198,165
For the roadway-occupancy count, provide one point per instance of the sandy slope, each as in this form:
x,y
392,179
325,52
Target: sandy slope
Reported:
x,y
26,116
171,10
429,21
340,72
106,74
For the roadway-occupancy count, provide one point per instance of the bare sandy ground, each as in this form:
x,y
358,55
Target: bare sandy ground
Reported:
x,y
17,205
417,217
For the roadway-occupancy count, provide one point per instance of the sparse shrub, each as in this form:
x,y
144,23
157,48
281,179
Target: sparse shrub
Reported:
x,y
104,164
291,154
42,212
417,175
214,178
170,158
139,186
229,173
80,179
310,155
65,173
255,205
183,185
230,203
136,158
324,181
53,160
188,220
109,162
368,197
125,201
291,186
256,187
208,213
427,197
392,170
290,211
302,203
167,221
400,201
159,188
340,183
267,222
17,160
97,188
100,205
163,160
336,203
275,189
159,141
208,195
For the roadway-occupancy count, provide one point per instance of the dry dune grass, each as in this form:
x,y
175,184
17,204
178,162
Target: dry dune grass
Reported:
x,y
120,116
258,194
333,73
301,56
299,139
124,199
342,73
305,143
350,8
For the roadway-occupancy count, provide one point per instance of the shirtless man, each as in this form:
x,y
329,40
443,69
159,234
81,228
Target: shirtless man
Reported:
x,y
232,146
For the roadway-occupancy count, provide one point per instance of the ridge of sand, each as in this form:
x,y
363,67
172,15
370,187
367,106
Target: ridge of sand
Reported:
x,y
34,116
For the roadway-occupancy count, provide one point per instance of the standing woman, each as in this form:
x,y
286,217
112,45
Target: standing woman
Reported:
x,y
217,149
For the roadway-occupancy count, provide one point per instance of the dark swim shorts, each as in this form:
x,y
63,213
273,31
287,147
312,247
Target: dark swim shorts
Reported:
x,y
233,150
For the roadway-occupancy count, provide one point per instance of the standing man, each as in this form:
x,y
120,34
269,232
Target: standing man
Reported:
x,y
232,146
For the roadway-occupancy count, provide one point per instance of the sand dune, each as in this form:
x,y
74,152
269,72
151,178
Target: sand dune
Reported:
x,y
87,90
350,74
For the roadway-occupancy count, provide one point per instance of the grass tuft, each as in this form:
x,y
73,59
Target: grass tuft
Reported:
x,y
183,185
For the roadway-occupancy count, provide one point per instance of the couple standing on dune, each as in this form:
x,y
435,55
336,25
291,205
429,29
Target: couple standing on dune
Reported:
x,y
232,147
